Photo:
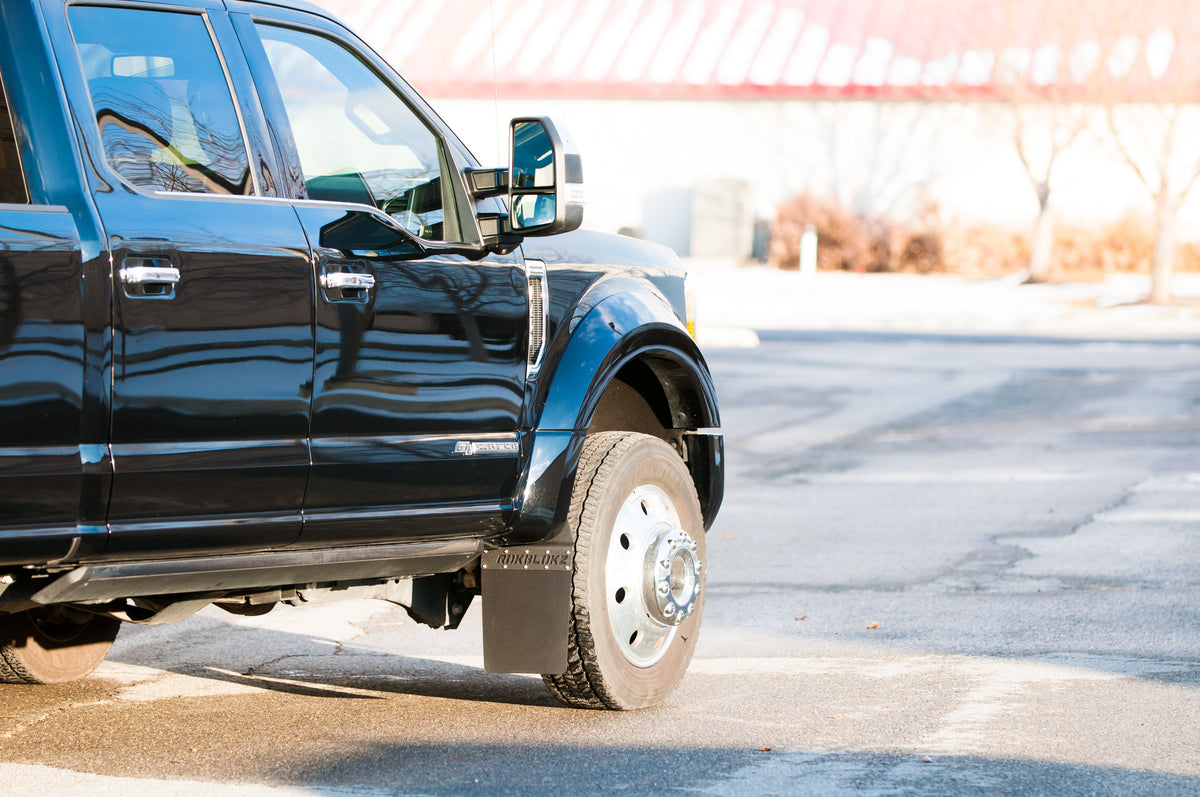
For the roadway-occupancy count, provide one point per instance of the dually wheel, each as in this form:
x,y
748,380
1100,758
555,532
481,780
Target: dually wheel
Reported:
x,y
637,592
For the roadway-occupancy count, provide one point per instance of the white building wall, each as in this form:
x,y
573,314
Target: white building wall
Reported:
x,y
643,158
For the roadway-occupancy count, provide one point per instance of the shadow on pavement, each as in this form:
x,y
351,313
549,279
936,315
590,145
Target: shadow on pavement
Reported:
x,y
525,771
303,665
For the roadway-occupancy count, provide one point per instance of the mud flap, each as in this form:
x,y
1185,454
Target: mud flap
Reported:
x,y
527,608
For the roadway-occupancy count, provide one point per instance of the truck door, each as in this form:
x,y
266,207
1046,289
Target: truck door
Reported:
x,y
419,372
42,374
213,328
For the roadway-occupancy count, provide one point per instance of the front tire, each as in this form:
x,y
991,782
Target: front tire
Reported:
x,y
637,591
47,646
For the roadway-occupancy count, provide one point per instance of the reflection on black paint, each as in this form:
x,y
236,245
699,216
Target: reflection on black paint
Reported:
x,y
10,302
41,373
440,339
224,367
41,338
435,354
352,323
196,368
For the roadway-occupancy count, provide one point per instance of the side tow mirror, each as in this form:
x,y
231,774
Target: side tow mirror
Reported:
x,y
545,179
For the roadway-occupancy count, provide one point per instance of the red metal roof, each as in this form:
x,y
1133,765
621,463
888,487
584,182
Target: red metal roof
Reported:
x,y
777,49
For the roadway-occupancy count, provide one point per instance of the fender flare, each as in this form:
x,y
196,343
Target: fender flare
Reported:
x,y
624,326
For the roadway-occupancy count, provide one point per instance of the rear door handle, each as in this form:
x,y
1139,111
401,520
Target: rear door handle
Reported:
x,y
149,277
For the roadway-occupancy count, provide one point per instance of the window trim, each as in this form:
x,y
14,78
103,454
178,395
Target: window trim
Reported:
x,y
33,208
203,13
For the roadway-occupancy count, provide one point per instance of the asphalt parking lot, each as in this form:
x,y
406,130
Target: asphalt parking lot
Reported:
x,y
946,565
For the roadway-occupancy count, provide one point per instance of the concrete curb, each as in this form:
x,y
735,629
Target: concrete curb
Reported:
x,y
726,338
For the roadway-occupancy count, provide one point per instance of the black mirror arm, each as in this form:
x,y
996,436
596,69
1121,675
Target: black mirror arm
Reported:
x,y
497,233
486,183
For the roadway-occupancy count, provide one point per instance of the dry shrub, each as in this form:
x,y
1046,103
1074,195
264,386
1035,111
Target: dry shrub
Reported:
x,y
920,246
1189,257
922,251
985,250
852,243
842,243
929,245
1126,245
881,238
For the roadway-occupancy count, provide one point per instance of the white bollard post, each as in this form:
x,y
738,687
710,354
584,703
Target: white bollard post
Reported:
x,y
808,251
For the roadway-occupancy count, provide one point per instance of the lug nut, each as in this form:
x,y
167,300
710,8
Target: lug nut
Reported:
x,y
664,588
669,610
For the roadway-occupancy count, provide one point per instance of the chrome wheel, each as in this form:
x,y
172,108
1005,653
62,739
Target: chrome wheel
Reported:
x,y
636,597
652,575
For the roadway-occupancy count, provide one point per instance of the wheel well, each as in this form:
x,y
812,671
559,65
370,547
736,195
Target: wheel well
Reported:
x,y
647,396
634,401
655,397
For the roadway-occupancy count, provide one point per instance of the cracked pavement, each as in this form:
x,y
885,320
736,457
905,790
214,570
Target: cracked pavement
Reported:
x,y
944,565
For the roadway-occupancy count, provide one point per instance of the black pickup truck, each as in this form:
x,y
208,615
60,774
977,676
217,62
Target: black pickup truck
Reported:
x,y
270,334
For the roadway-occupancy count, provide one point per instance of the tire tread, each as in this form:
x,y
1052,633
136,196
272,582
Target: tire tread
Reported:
x,y
19,648
12,671
583,684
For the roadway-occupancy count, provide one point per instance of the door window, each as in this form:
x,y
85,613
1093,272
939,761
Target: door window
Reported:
x,y
358,141
12,180
163,105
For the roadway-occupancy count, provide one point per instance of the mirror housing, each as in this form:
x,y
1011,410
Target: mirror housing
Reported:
x,y
364,233
545,179
369,234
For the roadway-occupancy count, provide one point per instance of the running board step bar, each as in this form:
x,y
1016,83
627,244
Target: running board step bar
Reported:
x,y
103,582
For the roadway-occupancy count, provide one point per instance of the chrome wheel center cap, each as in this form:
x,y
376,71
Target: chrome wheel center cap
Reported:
x,y
652,575
672,576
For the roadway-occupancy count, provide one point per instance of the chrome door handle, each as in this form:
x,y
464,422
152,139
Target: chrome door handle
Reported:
x,y
344,280
149,277
144,275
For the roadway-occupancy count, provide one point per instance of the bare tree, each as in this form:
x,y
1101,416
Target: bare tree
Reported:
x,y
880,155
1042,135
1046,60
1150,104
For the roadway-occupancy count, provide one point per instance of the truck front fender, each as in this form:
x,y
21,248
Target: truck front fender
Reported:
x,y
622,327
527,610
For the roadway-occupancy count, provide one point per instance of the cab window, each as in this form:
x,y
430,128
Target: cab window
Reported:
x,y
164,108
357,140
12,179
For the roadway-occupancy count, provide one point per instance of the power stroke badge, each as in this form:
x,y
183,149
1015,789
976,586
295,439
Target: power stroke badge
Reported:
x,y
470,448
